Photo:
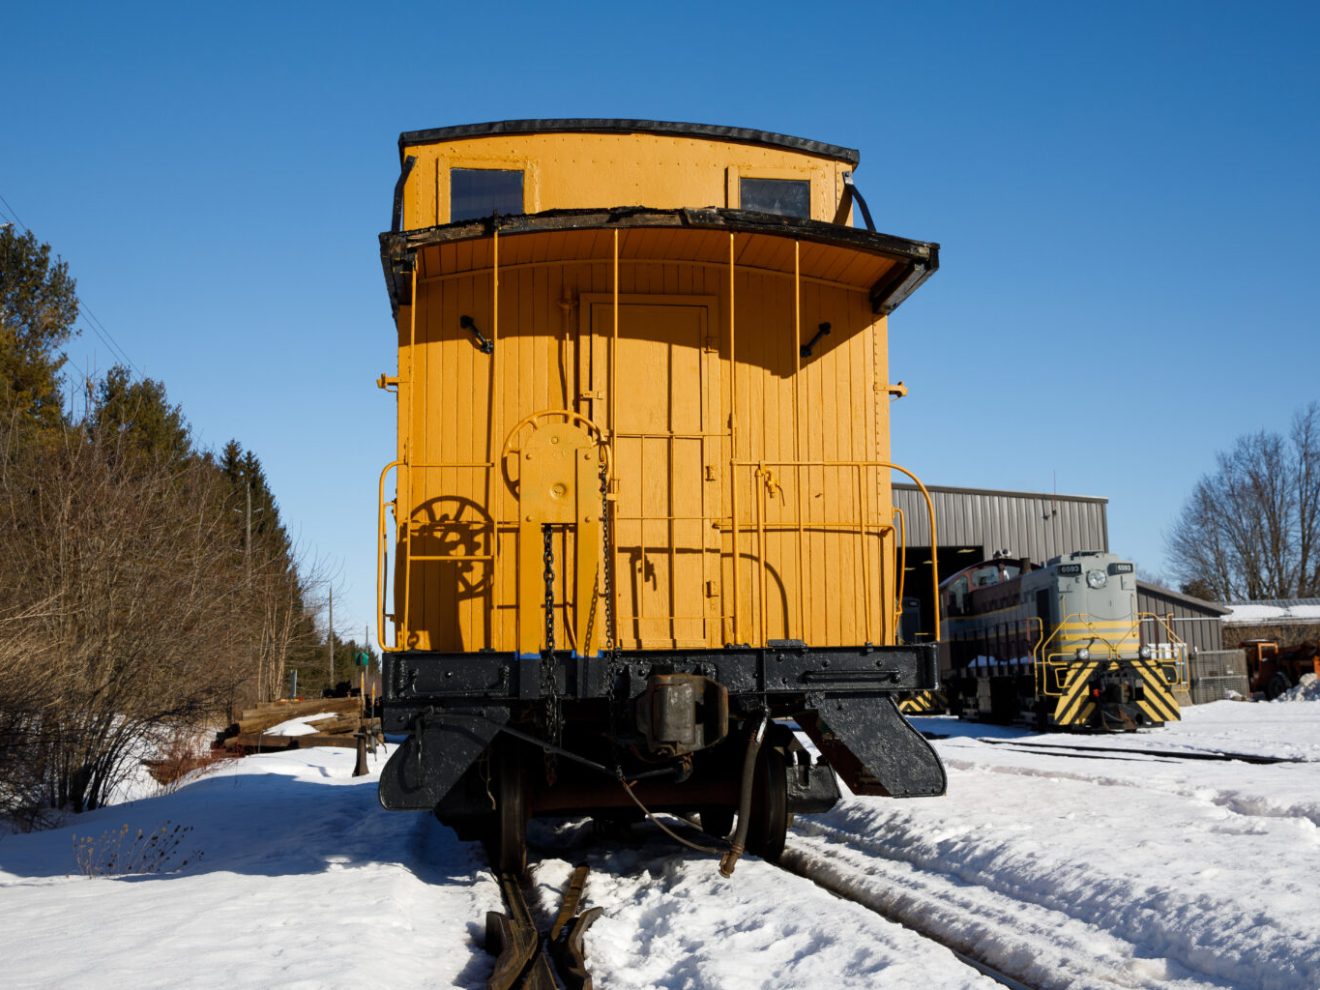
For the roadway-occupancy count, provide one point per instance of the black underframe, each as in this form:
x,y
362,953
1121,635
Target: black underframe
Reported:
x,y
790,678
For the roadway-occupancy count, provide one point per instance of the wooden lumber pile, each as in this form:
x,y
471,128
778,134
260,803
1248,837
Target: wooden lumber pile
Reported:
x,y
343,722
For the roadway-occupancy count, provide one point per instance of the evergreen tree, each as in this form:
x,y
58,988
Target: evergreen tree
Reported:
x,y
243,470
38,308
138,415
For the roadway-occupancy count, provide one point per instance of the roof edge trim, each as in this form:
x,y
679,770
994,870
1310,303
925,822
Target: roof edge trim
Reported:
x,y
958,490
918,259
612,125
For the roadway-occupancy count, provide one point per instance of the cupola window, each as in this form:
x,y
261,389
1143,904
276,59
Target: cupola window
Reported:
x,y
786,197
479,192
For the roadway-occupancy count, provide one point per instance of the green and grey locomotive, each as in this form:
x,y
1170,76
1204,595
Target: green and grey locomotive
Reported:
x,y
1060,645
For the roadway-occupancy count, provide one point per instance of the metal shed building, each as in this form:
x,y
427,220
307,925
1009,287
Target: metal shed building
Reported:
x,y
973,523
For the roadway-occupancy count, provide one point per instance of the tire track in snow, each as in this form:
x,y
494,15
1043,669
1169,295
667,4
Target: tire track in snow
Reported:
x,y
1055,923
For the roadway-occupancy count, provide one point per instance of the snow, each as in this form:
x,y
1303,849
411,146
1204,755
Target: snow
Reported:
x,y
304,882
301,726
1263,614
1307,688
1067,868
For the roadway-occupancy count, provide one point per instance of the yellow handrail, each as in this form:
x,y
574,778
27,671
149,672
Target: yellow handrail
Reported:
x,y
1176,643
900,558
380,560
761,465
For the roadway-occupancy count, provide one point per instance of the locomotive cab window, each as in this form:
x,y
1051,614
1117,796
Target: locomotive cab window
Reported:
x,y
992,574
479,192
958,595
785,197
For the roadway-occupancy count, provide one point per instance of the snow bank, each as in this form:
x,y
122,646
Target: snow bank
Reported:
x,y
1306,689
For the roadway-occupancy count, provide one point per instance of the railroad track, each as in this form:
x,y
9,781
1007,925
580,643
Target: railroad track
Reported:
x,y
1104,752
532,958
801,866
537,957
792,861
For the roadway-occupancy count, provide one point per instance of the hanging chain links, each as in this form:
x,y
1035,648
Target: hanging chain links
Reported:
x,y
607,531
614,666
554,715
548,558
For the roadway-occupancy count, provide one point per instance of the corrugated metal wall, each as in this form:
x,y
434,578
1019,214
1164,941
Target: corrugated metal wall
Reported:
x,y
1196,624
1212,670
1039,526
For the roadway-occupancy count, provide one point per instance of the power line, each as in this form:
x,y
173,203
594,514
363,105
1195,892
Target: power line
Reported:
x,y
89,319
92,320
12,214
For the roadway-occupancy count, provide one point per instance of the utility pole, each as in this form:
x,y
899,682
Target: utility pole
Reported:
x,y
247,540
247,585
330,638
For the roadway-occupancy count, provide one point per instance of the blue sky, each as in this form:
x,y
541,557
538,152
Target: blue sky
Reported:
x,y
1126,196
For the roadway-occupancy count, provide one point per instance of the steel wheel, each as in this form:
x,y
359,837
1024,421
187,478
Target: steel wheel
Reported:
x,y
769,821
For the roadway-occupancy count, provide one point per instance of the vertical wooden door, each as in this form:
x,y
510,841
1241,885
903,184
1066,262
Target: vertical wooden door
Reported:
x,y
666,448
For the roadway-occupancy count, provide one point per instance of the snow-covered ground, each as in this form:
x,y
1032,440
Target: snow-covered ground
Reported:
x,y
1066,868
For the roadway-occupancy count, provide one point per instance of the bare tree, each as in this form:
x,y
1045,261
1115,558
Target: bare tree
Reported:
x,y
129,607
1251,529
133,603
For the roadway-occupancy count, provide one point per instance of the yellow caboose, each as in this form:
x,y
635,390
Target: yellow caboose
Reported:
x,y
641,495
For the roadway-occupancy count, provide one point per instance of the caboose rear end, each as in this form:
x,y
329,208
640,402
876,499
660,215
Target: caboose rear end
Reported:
x,y
642,485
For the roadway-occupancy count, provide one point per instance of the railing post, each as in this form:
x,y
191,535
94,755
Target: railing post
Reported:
x,y
733,445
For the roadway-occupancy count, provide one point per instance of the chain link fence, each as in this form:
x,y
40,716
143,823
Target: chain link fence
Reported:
x,y
1214,673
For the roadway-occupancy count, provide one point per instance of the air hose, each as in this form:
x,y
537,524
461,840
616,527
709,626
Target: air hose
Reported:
x,y
730,858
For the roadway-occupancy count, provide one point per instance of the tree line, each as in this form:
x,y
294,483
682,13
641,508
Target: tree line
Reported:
x,y
1250,530
147,587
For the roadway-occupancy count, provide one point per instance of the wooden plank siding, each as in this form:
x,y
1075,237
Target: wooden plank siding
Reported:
x,y
677,362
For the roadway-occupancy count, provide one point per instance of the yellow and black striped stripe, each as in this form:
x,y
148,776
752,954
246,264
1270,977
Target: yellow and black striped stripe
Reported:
x,y
1158,702
924,703
1074,700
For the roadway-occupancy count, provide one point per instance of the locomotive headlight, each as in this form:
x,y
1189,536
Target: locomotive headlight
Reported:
x,y
1144,653
1096,579
1083,654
